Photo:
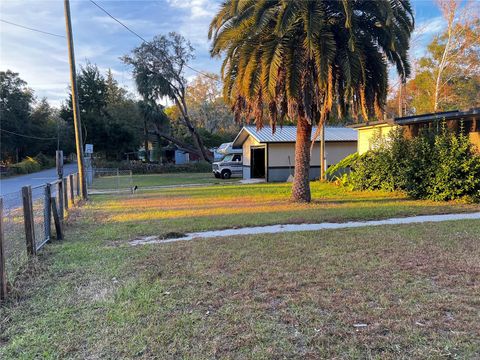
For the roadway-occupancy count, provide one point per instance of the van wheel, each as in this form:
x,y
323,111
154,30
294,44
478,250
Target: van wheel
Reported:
x,y
226,174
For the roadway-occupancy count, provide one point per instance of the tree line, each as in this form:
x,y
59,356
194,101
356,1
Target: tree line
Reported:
x,y
114,120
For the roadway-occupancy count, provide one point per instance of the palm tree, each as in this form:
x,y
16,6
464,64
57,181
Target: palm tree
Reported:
x,y
296,58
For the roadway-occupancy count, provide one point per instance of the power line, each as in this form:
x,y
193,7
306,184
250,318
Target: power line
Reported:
x,y
31,29
27,136
145,41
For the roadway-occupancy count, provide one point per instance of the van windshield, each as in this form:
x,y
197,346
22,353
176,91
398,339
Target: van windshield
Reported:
x,y
228,157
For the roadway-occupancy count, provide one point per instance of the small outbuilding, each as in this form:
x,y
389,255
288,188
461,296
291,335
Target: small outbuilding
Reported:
x,y
272,156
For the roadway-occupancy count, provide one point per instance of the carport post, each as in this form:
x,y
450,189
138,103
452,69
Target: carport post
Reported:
x,y
322,153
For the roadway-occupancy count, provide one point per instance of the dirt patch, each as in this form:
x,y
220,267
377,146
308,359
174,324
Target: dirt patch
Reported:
x,y
158,238
171,235
274,229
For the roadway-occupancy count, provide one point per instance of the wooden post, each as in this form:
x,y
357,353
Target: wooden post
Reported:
x,y
60,198
59,163
47,212
65,193
72,196
56,219
3,270
28,220
77,179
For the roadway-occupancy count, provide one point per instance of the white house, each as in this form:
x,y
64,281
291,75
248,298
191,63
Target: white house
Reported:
x,y
272,156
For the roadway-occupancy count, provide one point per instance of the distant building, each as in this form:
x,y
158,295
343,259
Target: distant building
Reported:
x,y
466,121
272,156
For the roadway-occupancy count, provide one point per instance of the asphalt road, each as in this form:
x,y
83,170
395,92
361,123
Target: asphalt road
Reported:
x,y
15,184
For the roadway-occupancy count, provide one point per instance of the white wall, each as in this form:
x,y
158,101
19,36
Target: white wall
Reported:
x,y
335,151
246,149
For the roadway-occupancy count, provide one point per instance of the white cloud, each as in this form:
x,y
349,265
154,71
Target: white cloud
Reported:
x,y
42,60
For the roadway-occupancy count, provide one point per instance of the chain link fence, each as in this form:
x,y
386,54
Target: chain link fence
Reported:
x,y
15,251
105,181
41,224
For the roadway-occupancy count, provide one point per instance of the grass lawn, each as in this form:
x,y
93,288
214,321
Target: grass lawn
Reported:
x,y
178,179
153,180
294,295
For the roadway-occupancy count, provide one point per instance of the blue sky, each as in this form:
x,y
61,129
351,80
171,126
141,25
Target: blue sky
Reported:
x,y
42,60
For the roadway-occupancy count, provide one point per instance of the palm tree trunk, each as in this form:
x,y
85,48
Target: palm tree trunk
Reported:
x,y
301,181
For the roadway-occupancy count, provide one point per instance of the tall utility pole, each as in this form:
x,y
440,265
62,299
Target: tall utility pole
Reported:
x,y
76,110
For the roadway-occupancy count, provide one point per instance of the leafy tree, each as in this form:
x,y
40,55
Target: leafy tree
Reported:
x,y
16,101
158,67
447,77
207,106
110,120
155,121
28,127
296,58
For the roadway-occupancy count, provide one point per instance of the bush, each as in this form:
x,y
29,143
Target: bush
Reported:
x,y
437,166
30,165
27,166
44,161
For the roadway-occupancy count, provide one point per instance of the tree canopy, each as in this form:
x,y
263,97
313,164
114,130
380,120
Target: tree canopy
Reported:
x,y
158,68
296,58
111,121
28,126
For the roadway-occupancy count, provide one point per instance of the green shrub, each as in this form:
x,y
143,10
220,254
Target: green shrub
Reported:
x,y
27,166
457,174
139,167
44,161
437,166
30,165
337,170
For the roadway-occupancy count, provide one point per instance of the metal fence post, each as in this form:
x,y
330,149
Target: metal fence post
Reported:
x,y
3,270
65,193
47,212
60,198
28,220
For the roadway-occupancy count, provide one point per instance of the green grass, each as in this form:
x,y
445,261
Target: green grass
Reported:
x,y
154,180
232,205
178,179
293,295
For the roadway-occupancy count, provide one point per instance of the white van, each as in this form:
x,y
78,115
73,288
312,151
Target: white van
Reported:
x,y
230,165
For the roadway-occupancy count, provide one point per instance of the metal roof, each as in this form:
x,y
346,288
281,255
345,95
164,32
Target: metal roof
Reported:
x,y
440,116
289,133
